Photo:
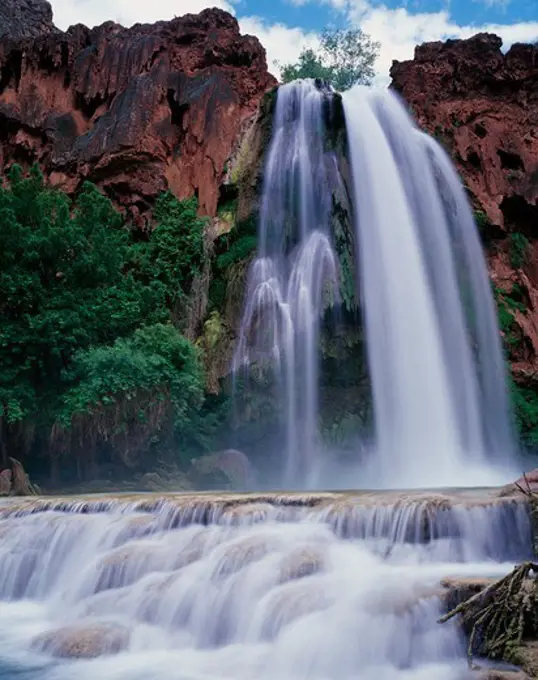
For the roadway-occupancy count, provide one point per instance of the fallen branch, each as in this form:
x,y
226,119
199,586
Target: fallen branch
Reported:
x,y
498,615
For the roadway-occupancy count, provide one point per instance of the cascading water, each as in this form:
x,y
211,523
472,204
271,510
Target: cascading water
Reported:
x,y
295,587
295,274
440,403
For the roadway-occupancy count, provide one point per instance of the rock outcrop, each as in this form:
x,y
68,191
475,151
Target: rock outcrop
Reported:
x,y
136,110
21,19
482,105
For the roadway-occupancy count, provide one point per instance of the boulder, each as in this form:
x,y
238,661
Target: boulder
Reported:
x,y
84,641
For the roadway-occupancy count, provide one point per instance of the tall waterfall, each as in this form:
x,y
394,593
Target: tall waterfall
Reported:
x,y
295,272
434,350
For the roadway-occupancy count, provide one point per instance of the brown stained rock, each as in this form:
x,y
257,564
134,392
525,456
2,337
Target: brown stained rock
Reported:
x,y
526,483
457,590
499,674
135,110
84,641
20,483
5,482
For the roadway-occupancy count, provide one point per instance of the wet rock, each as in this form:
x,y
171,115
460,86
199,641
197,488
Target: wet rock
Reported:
x,y
303,562
458,590
84,642
247,514
5,482
15,482
527,657
500,674
238,555
230,463
528,482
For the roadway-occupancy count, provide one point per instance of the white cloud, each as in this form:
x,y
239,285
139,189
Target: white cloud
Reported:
x,y
398,30
282,43
126,12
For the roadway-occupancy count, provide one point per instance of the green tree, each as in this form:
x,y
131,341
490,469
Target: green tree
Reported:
x,y
62,288
174,254
84,354
139,392
346,57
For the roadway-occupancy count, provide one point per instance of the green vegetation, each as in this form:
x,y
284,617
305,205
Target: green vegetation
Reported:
x,y
518,249
94,370
346,57
523,397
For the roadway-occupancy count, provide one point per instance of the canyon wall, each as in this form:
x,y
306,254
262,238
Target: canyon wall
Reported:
x,y
135,110
482,104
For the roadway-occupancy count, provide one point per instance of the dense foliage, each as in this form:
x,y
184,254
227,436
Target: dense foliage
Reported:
x,y
93,366
346,57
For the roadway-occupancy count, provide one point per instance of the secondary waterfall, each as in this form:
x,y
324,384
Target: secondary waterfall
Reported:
x,y
231,587
295,274
434,350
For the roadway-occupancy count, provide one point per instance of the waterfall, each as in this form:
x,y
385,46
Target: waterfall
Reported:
x,y
294,276
440,404
233,587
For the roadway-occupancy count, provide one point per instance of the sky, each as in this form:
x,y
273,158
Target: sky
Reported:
x,y
285,27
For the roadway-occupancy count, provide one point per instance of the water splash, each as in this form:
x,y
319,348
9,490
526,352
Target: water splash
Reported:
x,y
294,277
434,352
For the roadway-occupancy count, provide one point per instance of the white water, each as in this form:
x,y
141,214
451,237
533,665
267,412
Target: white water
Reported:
x,y
440,405
204,588
295,274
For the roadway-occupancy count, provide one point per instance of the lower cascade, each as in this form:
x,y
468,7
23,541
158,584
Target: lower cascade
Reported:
x,y
289,586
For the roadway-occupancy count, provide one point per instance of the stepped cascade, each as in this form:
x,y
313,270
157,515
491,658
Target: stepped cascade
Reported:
x,y
441,414
329,586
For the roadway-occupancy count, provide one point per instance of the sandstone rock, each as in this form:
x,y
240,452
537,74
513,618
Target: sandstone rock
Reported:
x,y
527,482
500,674
5,482
84,642
134,110
482,104
233,464
20,19
20,485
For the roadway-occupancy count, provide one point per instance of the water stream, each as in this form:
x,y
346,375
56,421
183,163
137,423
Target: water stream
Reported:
x,y
440,399
294,272
441,413
328,587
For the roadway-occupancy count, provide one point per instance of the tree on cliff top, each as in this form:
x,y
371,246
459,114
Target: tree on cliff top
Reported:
x,y
345,58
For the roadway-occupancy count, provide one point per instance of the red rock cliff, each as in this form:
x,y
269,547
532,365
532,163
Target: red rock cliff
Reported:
x,y
134,110
483,105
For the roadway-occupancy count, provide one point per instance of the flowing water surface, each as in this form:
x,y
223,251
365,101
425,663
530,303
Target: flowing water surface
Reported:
x,y
328,587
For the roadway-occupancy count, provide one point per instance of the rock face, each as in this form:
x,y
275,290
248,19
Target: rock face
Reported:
x,y
483,106
21,19
134,110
